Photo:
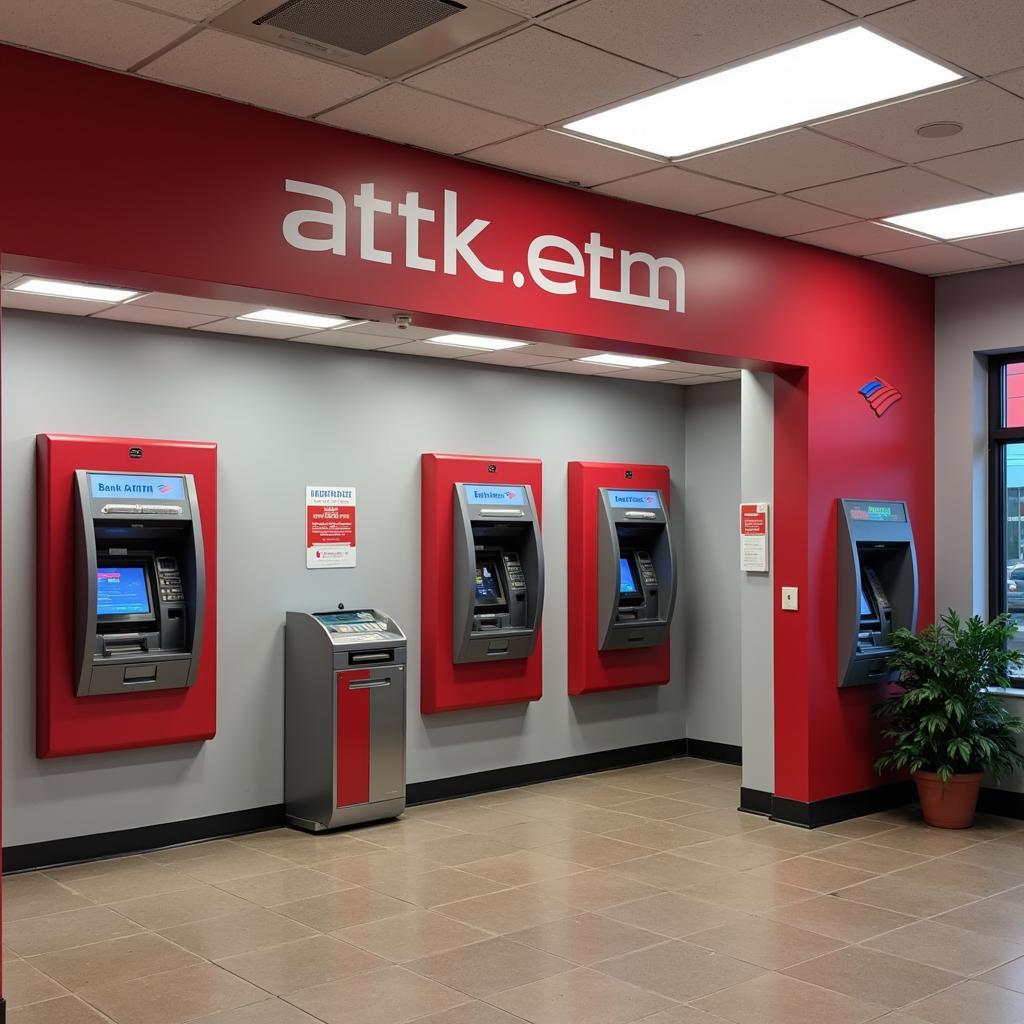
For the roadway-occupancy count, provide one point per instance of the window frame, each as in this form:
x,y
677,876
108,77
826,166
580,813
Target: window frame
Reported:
x,y
999,436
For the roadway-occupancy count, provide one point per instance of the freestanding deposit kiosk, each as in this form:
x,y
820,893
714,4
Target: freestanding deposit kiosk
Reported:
x,y
344,718
877,576
140,582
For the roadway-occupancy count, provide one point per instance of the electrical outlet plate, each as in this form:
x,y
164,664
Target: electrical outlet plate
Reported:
x,y
790,599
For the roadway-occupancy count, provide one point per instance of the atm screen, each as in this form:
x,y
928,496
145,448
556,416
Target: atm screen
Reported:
x,y
488,586
865,607
627,583
122,590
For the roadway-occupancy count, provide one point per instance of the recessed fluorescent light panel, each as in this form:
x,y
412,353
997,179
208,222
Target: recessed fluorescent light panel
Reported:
x,y
477,341
839,72
964,220
287,318
631,362
70,290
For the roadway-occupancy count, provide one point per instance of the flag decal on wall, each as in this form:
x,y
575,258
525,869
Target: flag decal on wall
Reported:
x,y
880,395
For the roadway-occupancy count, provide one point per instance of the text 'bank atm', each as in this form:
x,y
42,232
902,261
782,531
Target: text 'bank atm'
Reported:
x,y
636,569
139,582
877,580
497,572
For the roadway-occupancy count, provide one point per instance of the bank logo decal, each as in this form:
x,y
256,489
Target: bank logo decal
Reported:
x,y
880,395
164,488
557,265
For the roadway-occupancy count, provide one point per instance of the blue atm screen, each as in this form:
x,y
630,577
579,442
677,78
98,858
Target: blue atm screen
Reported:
x,y
118,486
122,591
634,499
487,583
627,585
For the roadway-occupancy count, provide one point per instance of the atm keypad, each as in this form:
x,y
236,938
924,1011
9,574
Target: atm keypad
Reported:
x,y
648,576
514,571
170,581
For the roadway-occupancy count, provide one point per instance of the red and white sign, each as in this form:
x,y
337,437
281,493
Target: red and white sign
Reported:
x,y
330,527
754,537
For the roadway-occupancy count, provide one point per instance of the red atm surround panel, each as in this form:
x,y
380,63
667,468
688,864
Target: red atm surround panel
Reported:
x,y
352,750
66,724
445,686
591,670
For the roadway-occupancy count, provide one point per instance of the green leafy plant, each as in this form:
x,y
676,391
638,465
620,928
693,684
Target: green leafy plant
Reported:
x,y
947,716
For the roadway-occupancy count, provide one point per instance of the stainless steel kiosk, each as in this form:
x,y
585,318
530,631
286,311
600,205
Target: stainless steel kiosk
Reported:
x,y
497,572
877,578
344,718
636,574
140,582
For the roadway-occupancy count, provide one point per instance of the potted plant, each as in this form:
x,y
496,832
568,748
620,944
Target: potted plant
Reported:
x,y
946,721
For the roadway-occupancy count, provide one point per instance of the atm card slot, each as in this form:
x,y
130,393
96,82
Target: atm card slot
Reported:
x,y
370,657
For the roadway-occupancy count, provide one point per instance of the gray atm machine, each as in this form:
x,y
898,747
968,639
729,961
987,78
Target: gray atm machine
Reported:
x,y
497,572
140,582
344,718
636,575
877,577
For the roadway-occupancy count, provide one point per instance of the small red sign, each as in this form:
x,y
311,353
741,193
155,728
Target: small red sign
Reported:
x,y
753,523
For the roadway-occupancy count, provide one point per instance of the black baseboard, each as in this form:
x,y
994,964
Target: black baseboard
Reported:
x,y
755,801
543,771
1001,801
709,750
152,837
136,840
840,808
3,1010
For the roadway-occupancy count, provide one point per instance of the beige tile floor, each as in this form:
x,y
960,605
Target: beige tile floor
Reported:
x,y
634,895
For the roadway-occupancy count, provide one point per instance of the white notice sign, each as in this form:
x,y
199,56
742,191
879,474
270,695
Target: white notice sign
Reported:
x,y
330,527
754,537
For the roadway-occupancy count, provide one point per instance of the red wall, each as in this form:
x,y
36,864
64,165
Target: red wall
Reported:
x,y
138,183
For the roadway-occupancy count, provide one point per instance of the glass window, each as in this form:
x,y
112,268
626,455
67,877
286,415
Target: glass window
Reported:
x,y
1006,475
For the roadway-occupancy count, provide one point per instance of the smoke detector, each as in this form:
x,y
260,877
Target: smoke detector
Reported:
x,y
939,129
387,38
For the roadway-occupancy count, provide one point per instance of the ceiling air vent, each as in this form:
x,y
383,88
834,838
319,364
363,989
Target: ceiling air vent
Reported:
x,y
383,37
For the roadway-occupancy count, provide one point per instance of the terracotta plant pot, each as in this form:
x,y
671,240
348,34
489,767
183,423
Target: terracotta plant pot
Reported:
x,y
948,804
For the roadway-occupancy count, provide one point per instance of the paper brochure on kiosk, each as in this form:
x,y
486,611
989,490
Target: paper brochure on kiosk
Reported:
x,y
330,527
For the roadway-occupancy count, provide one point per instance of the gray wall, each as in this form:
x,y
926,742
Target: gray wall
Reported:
x,y
287,415
710,564
975,315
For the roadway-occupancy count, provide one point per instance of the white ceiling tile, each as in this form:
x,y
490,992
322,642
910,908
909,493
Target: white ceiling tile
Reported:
x,y
901,190
780,215
512,357
562,351
699,368
99,31
402,114
50,304
789,161
250,329
423,348
649,373
1007,246
347,337
676,189
250,72
383,329
538,76
1012,80
563,157
937,259
687,38
690,380
189,304
862,238
132,312
572,366
988,115
997,169
983,36
194,10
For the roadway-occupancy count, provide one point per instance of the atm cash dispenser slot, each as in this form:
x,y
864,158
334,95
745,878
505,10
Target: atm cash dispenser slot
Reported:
x,y
877,580
140,582
636,569
498,572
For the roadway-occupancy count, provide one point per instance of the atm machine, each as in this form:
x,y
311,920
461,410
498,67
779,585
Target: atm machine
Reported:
x,y
140,582
877,580
497,572
344,718
636,576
